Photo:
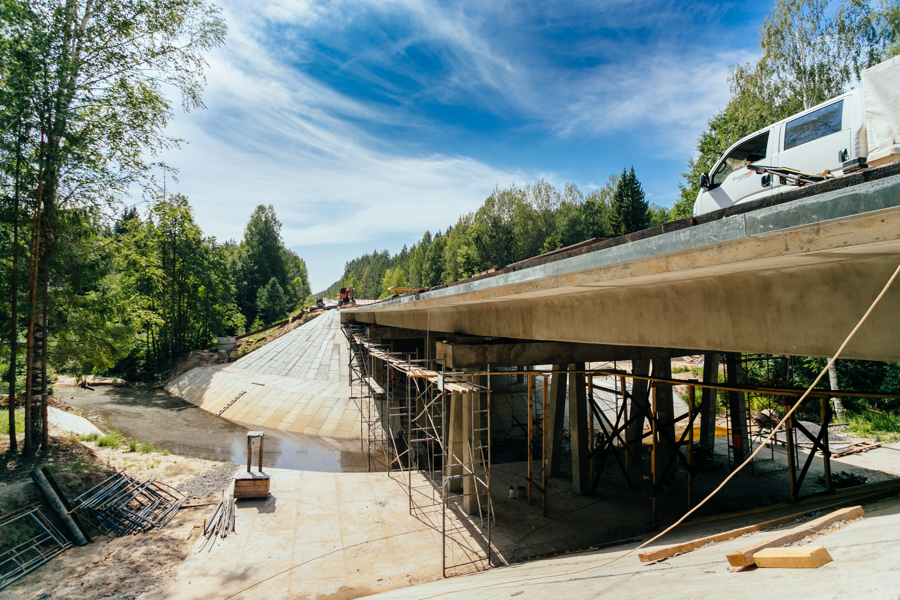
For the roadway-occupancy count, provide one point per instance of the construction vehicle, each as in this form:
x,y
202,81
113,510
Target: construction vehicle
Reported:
x,y
856,130
347,296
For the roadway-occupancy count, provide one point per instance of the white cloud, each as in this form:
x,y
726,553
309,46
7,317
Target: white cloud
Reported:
x,y
275,134
663,97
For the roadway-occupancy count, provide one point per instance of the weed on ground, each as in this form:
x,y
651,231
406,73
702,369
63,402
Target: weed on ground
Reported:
x,y
878,425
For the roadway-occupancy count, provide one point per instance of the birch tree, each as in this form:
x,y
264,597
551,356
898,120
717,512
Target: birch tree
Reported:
x,y
94,108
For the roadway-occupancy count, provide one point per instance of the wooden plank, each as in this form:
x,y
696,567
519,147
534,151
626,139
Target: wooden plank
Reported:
x,y
804,557
855,448
744,556
692,545
376,389
682,548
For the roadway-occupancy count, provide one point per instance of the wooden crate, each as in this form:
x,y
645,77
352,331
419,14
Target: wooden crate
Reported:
x,y
251,485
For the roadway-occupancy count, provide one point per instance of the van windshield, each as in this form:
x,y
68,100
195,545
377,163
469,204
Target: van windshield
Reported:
x,y
750,151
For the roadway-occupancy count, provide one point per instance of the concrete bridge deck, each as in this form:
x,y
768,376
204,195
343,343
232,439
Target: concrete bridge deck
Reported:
x,y
789,278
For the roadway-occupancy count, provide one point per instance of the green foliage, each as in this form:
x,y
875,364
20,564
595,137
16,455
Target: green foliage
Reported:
x,y
856,375
394,278
146,447
810,52
132,445
91,319
83,112
271,303
658,215
177,282
89,437
880,426
4,420
629,211
513,224
260,257
113,439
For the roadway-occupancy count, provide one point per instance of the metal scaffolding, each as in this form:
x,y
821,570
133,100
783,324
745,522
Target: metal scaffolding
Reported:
x,y
432,429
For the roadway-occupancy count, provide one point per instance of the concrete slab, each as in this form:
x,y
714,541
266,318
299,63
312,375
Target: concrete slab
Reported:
x,y
71,423
274,385
865,553
317,535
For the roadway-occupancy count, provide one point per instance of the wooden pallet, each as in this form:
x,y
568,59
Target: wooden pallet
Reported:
x,y
855,448
839,449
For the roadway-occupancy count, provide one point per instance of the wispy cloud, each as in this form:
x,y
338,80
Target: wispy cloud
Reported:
x,y
376,121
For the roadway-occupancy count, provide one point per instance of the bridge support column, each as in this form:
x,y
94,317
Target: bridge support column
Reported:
x,y
665,413
554,421
430,350
708,397
455,443
640,405
578,427
737,407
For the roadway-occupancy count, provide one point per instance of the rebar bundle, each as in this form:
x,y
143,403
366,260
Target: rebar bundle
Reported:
x,y
122,504
222,521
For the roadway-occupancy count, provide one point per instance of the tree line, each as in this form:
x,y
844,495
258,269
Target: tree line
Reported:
x,y
82,116
513,224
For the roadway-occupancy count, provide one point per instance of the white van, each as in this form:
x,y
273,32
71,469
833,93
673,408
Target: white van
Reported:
x,y
833,136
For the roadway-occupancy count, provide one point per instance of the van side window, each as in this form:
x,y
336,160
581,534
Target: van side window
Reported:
x,y
815,125
750,151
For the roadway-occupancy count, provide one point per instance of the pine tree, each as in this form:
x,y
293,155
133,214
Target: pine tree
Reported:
x,y
628,212
270,302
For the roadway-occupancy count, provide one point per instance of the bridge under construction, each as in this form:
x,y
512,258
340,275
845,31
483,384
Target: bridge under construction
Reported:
x,y
571,353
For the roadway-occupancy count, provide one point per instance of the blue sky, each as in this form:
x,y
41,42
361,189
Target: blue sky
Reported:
x,y
366,123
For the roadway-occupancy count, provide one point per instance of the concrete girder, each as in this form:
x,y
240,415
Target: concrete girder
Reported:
x,y
555,420
515,354
394,333
791,279
578,431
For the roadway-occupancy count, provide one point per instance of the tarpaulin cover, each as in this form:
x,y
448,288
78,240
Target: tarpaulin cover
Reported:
x,y
881,89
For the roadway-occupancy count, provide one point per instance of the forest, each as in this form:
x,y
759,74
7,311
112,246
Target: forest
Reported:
x,y
95,282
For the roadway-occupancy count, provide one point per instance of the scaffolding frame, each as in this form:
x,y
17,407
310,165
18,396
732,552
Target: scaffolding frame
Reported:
x,y
415,425
456,475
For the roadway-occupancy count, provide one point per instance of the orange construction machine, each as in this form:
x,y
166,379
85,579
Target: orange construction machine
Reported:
x,y
347,296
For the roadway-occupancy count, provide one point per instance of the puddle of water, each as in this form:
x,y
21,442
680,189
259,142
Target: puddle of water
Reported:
x,y
182,428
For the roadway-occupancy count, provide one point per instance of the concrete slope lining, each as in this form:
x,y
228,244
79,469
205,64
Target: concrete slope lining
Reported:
x,y
297,384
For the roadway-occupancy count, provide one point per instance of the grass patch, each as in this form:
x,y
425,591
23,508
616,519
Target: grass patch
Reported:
x,y
89,437
132,445
113,439
164,452
880,426
146,447
4,420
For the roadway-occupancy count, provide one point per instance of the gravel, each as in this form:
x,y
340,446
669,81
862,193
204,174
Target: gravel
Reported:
x,y
813,428
210,482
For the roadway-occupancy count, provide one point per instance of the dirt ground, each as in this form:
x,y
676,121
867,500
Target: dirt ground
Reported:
x,y
109,567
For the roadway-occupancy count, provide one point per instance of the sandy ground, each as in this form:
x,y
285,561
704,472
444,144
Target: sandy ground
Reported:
x,y
122,568
118,567
170,469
